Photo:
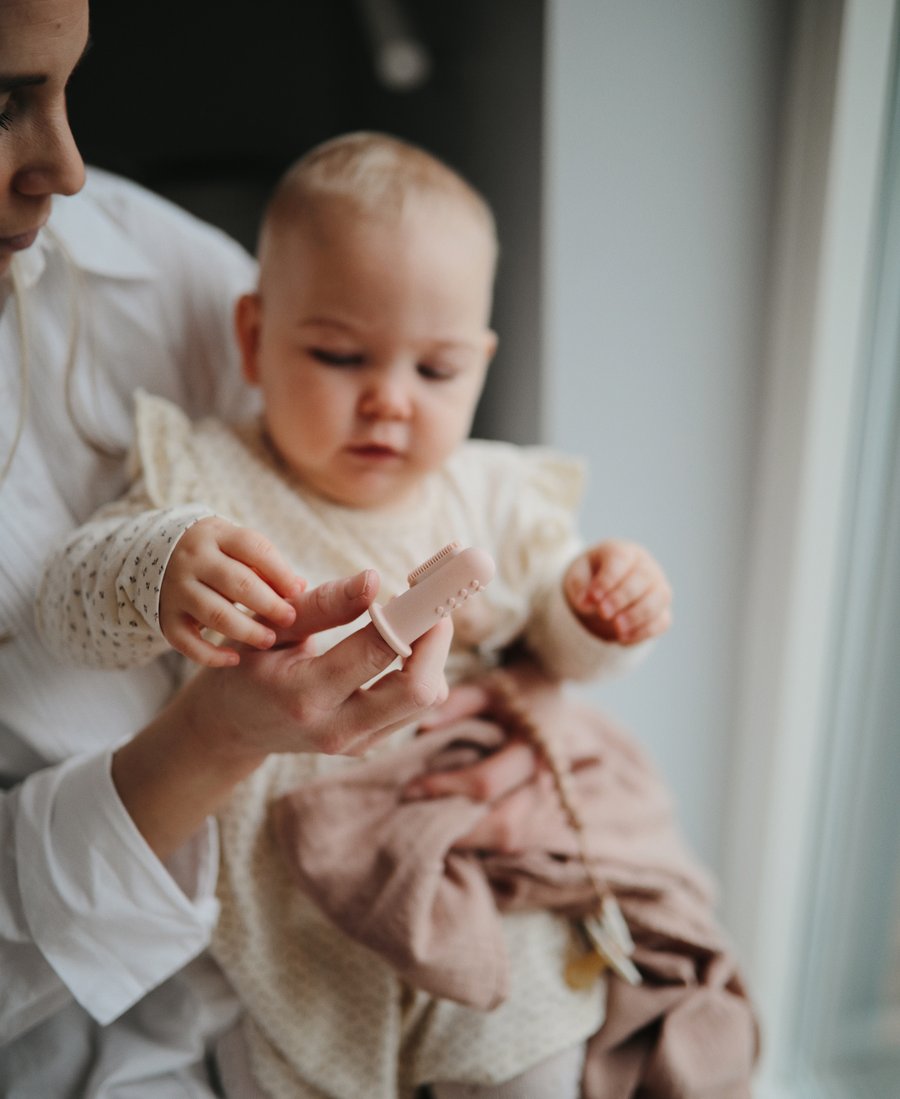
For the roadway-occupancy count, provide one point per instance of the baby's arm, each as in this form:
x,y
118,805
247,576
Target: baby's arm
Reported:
x,y
619,592
99,601
588,611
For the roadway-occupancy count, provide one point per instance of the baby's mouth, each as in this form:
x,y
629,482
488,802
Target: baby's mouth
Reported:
x,y
374,451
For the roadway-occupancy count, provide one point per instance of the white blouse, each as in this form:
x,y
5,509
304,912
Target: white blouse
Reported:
x,y
90,921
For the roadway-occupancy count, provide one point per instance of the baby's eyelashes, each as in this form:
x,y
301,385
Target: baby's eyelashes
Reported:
x,y
437,372
336,358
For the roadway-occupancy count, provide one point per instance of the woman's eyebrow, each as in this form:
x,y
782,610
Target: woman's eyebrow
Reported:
x,y
32,80
11,83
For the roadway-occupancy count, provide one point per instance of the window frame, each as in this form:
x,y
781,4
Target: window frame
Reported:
x,y
823,261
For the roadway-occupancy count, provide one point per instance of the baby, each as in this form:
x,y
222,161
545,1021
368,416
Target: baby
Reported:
x,y
369,339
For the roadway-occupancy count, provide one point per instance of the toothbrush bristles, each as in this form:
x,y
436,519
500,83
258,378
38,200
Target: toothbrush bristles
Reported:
x,y
426,566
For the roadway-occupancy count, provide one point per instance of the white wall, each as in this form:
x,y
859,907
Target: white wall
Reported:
x,y
661,125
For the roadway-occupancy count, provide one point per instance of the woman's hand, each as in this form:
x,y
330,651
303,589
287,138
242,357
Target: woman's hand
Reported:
x,y
224,722
292,700
515,780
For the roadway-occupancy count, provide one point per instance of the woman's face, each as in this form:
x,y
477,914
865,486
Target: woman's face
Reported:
x,y
41,42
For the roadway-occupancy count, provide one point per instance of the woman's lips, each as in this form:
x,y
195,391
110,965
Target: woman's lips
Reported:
x,y
20,241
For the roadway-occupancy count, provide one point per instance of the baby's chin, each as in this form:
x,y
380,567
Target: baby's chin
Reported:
x,y
374,494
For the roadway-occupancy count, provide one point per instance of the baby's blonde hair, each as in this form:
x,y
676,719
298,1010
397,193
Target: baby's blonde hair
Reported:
x,y
375,175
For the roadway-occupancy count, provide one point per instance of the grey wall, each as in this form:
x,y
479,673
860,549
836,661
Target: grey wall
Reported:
x,y
661,128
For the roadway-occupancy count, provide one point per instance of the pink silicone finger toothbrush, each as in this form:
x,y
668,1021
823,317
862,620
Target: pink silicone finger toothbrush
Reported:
x,y
436,588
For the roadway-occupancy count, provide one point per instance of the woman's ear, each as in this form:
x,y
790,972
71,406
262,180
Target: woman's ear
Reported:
x,y
247,324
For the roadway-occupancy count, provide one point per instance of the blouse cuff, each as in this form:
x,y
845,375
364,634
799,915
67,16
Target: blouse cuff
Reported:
x,y
108,916
568,650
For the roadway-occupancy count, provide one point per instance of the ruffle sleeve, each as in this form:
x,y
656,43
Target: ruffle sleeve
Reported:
x,y
530,498
165,456
550,492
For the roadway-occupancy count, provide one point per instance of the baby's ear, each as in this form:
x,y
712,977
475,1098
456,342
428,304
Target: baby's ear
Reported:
x,y
247,322
491,340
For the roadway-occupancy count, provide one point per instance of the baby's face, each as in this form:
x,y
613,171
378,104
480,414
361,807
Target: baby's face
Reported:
x,y
370,341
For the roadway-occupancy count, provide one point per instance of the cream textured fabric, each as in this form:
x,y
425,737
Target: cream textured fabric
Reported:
x,y
326,1013
323,1013
559,1078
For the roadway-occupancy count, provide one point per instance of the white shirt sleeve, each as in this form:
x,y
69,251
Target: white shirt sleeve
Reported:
x,y
86,909
73,865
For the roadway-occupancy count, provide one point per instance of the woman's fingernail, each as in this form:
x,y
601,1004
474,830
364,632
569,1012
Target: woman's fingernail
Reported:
x,y
357,585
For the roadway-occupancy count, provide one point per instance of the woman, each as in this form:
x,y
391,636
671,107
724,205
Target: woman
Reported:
x,y
100,293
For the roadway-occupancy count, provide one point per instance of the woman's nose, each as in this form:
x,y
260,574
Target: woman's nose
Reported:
x,y
54,165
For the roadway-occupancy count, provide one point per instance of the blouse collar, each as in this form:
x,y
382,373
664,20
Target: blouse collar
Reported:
x,y
90,236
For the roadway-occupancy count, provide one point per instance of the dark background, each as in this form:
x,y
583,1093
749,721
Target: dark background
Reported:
x,y
206,103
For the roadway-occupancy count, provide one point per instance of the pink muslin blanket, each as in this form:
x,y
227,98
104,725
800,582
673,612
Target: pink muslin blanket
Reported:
x,y
385,871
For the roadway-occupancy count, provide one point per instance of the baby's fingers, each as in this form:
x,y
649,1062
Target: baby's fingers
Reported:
x,y
629,590
649,616
597,573
258,552
185,638
211,610
239,580
611,563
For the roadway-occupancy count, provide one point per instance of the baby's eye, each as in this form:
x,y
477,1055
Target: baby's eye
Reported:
x,y
336,358
437,372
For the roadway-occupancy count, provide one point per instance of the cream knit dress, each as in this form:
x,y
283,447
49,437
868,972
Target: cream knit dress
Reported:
x,y
323,1015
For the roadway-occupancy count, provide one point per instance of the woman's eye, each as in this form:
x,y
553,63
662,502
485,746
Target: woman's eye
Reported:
x,y
6,110
335,358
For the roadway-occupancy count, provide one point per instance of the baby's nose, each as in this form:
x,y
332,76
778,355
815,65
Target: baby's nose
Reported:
x,y
386,399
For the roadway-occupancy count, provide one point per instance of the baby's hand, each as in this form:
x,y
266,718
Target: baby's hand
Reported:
x,y
619,592
214,566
